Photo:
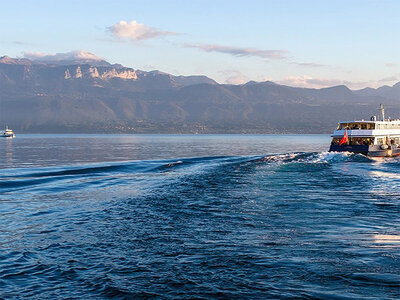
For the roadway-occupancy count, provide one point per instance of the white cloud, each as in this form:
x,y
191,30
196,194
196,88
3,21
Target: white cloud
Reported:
x,y
389,79
135,31
239,51
234,77
72,55
309,82
306,81
264,78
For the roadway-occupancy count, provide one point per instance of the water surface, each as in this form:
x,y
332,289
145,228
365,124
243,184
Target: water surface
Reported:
x,y
171,216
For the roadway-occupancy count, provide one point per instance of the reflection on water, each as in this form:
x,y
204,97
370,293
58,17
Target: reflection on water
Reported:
x,y
8,150
384,175
386,239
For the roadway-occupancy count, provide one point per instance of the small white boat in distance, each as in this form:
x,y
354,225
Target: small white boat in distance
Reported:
x,y
8,133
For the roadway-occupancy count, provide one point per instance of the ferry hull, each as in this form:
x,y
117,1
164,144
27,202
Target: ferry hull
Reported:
x,y
373,150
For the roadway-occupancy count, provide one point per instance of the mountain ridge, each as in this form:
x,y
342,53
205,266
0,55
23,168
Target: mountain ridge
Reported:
x,y
38,96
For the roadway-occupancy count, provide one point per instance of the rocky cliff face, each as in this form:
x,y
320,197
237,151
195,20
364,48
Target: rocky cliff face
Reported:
x,y
105,73
18,70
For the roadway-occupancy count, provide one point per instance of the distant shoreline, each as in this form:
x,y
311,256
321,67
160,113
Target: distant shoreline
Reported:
x,y
164,133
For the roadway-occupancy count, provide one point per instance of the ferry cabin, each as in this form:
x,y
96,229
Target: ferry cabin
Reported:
x,y
373,138
7,133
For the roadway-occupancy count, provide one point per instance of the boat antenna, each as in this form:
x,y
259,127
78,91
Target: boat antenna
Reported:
x,y
382,109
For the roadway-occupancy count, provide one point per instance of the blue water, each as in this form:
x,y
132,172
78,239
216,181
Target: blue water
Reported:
x,y
169,216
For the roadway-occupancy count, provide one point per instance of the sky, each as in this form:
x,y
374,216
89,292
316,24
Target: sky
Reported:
x,y
299,43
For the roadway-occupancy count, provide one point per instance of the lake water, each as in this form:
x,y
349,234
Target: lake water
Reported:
x,y
196,216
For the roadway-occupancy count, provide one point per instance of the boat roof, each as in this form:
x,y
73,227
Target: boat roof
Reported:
x,y
371,122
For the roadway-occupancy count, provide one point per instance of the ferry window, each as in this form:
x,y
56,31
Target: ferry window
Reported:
x,y
363,126
397,140
335,141
379,141
361,141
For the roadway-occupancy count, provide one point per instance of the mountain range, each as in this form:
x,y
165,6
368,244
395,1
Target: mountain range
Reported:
x,y
91,95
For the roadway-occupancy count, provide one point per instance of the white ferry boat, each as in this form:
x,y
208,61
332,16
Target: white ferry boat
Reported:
x,y
377,138
8,133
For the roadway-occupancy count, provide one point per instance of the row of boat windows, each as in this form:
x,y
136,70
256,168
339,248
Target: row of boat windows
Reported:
x,y
356,126
366,126
368,141
388,140
355,141
388,126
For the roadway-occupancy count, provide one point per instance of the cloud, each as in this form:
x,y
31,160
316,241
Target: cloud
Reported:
x,y
72,55
18,43
135,31
308,64
239,51
234,77
264,78
309,82
306,81
248,51
388,79
391,65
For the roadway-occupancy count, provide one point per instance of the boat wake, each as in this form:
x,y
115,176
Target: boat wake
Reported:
x,y
314,224
67,178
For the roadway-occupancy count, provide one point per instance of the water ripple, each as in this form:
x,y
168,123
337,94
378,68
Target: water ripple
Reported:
x,y
293,225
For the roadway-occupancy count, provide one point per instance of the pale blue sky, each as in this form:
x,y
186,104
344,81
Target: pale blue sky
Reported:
x,y
303,43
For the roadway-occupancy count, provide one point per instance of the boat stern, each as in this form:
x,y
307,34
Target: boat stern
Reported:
x,y
362,149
